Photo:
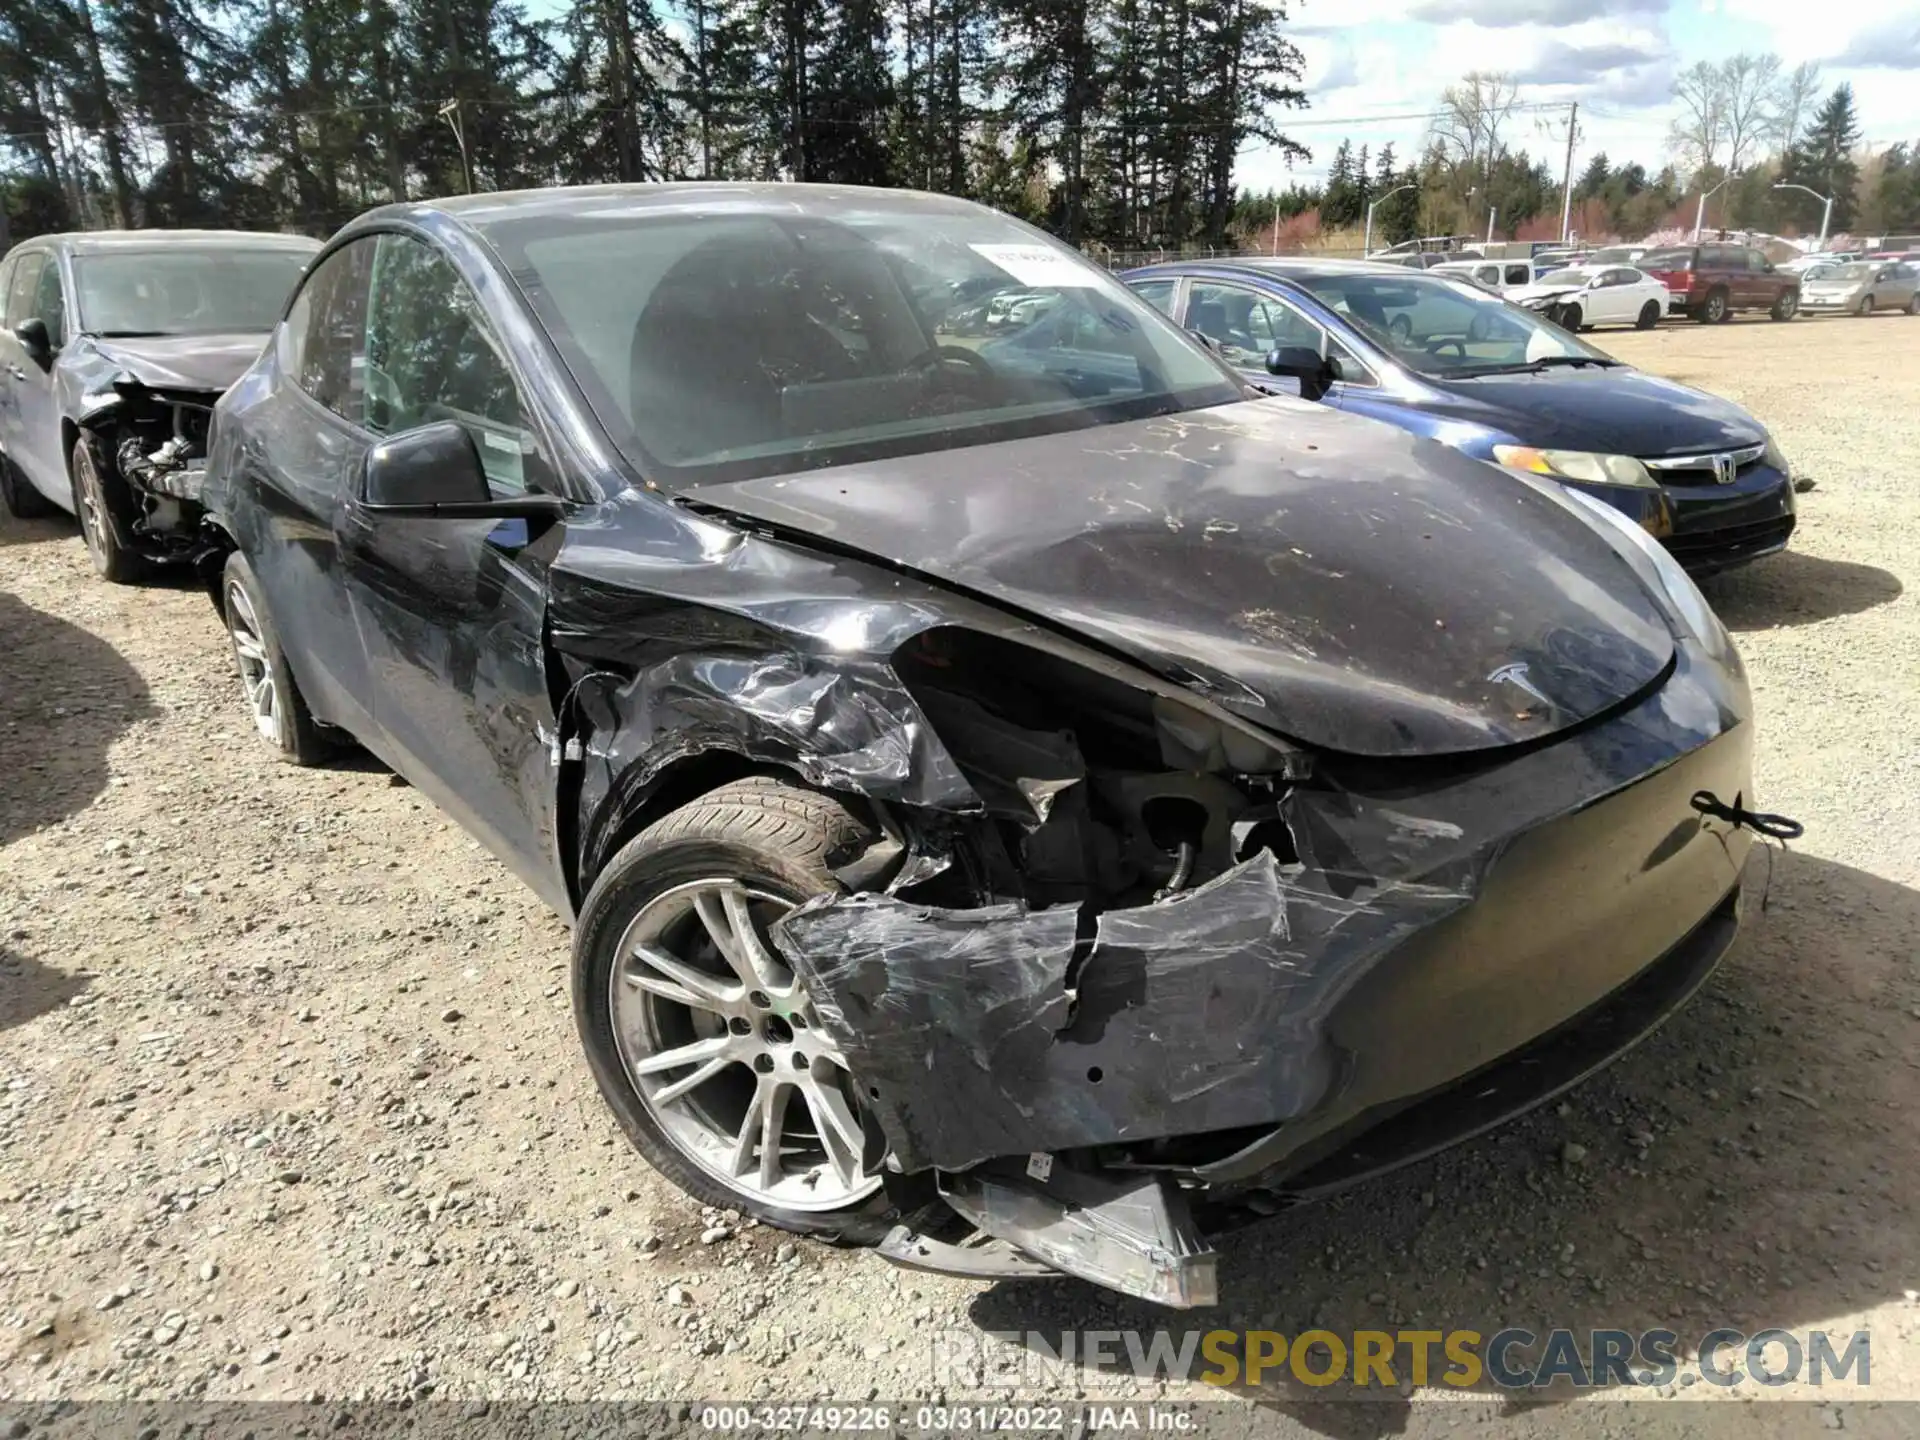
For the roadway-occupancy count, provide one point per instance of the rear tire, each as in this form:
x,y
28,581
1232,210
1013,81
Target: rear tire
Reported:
x,y
1787,306
768,845
1649,316
23,502
100,500
278,709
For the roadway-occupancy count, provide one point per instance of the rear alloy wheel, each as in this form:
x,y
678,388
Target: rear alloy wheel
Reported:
x,y
1649,316
23,502
1787,306
1713,309
102,518
704,1042
1865,308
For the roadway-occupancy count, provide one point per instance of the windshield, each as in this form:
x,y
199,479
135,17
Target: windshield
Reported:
x,y
1667,260
721,346
1617,255
1441,328
179,292
1563,277
1848,272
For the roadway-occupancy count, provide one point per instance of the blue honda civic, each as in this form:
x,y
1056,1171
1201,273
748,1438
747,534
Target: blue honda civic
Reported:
x,y
1446,360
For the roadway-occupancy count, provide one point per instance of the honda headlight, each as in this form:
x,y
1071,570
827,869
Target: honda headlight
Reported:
x,y
1776,457
1647,554
1584,465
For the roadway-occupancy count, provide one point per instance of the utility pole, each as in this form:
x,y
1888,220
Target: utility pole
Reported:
x,y
1566,192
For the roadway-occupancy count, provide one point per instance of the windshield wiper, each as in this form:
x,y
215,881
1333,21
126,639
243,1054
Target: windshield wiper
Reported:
x,y
133,334
1545,362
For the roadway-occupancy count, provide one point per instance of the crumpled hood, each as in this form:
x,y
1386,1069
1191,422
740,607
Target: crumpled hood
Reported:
x,y
1615,410
1336,581
183,362
1525,293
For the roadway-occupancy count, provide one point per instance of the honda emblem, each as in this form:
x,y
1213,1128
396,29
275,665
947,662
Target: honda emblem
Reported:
x,y
1723,469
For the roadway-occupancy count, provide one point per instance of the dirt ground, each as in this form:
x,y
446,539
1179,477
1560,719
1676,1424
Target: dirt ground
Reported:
x,y
293,1104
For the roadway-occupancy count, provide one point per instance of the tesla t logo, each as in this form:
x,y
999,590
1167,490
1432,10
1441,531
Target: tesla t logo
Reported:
x,y
1723,468
1516,676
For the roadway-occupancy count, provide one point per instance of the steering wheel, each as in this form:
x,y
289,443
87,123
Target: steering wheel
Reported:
x,y
1400,327
956,371
1479,328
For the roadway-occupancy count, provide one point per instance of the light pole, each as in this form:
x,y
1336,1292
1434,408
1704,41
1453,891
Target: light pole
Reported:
x,y
1826,201
1700,210
1491,212
1366,245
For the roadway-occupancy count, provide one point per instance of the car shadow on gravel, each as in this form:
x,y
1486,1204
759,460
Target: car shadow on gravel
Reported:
x,y
29,989
1748,1166
1794,588
65,697
15,531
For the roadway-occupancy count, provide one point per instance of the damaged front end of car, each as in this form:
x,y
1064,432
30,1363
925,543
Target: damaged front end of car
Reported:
x,y
1123,966
149,448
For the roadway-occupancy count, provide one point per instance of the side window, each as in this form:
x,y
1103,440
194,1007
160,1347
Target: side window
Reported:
x,y
432,355
1488,274
49,303
322,337
1157,293
20,293
1236,320
1519,274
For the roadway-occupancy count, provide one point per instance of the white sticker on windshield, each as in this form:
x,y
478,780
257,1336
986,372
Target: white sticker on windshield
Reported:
x,y
1038,265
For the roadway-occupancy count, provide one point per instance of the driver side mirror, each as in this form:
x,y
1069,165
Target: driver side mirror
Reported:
x,y
1314,371
434,472
35,340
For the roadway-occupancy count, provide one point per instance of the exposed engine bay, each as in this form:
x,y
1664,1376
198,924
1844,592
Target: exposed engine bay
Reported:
x,y
152,447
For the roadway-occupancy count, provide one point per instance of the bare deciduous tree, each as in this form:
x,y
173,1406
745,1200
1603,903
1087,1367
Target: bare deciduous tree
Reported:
x,y
1794,100
1475,113
1702,122
1750,85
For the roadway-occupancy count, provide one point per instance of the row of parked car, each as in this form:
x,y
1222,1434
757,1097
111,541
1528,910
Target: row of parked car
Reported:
x,y
1639,285
1014,773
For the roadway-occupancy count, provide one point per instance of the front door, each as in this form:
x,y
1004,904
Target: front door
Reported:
x,y
451,612
34,439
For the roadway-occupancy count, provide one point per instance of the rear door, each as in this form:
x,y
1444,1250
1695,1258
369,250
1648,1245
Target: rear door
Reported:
x,y
451,612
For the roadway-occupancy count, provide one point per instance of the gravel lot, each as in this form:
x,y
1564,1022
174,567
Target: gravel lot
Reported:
x,y
293,1104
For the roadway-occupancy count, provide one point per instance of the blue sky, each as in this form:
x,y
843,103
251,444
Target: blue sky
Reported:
x,y
1616,57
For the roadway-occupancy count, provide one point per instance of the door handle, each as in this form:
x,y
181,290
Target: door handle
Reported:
x,y
16,372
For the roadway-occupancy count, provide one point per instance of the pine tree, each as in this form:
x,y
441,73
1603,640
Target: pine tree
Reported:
x,y
1823,161
1593,179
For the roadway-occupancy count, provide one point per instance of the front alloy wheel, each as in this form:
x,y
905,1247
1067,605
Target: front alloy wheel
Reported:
x,y
99,521
254,663
723,1047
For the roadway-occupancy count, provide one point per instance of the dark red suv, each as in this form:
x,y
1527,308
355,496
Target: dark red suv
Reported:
x,y
1710,282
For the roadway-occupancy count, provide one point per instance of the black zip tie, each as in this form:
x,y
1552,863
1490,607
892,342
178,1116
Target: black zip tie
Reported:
x,y
1778,828
1773,827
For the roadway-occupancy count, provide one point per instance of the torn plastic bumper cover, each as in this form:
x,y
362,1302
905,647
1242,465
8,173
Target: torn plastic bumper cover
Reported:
x,y
976,1038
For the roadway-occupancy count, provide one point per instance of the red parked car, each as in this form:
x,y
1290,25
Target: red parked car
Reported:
x,y
1710,282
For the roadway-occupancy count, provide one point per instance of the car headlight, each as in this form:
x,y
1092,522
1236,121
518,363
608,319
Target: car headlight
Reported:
x,y
1776,457
1647,554
1584,465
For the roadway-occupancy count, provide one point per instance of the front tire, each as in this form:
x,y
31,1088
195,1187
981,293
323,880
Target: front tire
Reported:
x,y
99,499
1649,315
274,701
1570,318
1713,310
1865,308
23,502
704,1043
